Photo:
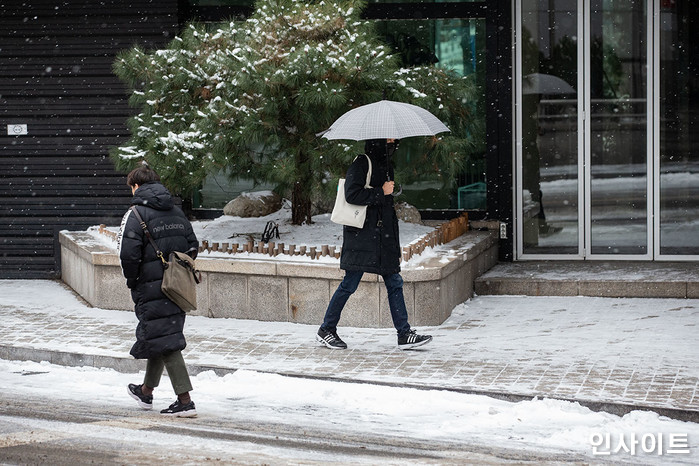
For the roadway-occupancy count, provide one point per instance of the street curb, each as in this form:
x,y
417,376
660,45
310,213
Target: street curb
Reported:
x,y
130,365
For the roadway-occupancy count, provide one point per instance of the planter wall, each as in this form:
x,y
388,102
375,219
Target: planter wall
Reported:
x,y
286,291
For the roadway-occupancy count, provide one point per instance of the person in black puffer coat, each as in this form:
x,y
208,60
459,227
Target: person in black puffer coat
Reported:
x,y
159,334
374,248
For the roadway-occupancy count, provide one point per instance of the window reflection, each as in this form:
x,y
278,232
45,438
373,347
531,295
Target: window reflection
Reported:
x,y
455,44
549,132
679,128
618,128
425,1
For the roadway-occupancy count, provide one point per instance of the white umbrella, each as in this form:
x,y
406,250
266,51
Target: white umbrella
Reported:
x,y
385,119
540,83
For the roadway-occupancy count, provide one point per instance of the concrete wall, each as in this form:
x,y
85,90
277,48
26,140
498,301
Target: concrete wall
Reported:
x,y
284,291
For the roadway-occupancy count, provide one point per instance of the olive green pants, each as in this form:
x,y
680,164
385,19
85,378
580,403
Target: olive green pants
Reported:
x,y
176,370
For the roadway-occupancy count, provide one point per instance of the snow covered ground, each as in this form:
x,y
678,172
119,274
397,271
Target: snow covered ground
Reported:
x,y
543,426
496,330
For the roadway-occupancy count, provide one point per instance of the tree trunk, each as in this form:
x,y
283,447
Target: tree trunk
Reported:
x,y
301,195
300,204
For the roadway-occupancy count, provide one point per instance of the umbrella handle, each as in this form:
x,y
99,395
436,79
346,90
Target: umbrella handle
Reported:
x,y
400,191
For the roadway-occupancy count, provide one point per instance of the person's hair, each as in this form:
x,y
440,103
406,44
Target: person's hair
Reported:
x,y
141,175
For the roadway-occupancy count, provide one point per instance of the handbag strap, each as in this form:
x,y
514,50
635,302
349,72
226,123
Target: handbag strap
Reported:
x,y
158,252
368,174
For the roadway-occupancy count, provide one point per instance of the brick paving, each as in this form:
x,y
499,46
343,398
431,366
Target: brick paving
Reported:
x,y
634,352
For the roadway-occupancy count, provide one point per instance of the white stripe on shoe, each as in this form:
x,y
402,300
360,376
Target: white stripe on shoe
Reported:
x,y
413,343
327,340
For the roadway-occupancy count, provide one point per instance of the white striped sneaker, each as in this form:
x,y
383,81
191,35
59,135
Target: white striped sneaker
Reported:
x,y
412,340
330,339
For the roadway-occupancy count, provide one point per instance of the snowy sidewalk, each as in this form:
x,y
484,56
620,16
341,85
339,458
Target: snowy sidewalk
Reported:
x,y
606,353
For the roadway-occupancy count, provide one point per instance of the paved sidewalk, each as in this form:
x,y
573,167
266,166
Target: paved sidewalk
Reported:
x,y
610,354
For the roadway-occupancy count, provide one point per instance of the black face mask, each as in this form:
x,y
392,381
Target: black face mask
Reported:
x,y
380,148
392,147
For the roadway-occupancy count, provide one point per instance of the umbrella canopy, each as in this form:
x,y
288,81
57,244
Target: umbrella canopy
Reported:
x,y
540,83
385,119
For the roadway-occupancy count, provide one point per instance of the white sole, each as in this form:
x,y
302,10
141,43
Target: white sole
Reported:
x,y
190,413
414,345
326,344
138,400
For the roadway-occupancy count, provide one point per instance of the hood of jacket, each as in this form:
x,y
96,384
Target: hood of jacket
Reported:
x,y
377,149
154,195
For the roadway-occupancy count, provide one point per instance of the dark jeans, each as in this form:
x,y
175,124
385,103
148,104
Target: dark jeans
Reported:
x,y
349,284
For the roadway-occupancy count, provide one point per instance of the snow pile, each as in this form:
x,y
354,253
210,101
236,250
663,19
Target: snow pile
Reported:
x,y
542,426
229,229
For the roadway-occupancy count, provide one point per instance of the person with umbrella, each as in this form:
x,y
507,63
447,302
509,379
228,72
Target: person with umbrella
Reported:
x,y
375,248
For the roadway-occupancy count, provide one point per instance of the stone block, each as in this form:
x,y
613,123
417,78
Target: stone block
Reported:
x,y
71,359
203,295
426,273
362,308
111,291
268,297
462,286
19,353
558,288
642,289
227,295
428,309
106,257
480,263
252,267
308,300
502,286
297,269
78,273
126,364
693,290
447,297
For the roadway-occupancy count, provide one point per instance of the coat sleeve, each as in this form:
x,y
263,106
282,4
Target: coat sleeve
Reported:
x,y
130,247
355,192
192,240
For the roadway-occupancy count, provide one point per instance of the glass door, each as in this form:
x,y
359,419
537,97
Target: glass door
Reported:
x,y
617,166
549,144
584,134
677,130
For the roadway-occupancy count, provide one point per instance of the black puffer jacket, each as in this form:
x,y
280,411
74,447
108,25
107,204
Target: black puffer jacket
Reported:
x,y
375,248
161,322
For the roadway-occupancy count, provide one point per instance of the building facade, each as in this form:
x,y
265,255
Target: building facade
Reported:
x,y
61,110
591,109
591,112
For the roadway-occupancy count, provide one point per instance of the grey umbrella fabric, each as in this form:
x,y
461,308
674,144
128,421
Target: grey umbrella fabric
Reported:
x,y
385,119
540,83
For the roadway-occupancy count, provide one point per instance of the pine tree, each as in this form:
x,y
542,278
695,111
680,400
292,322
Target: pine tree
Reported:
x,y
249,98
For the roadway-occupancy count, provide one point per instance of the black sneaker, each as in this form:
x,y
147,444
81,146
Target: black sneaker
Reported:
x,y
412,340
177,409
330,339
144,401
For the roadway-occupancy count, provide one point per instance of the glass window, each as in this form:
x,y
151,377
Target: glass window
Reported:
x,y
459,45
248,3
618,127
425,1
549,161
679,128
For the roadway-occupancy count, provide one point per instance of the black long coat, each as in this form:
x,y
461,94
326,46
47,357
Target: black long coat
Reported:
x,y
160,321
375,248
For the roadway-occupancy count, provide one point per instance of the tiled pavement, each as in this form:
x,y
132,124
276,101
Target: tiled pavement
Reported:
x,y
609,354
